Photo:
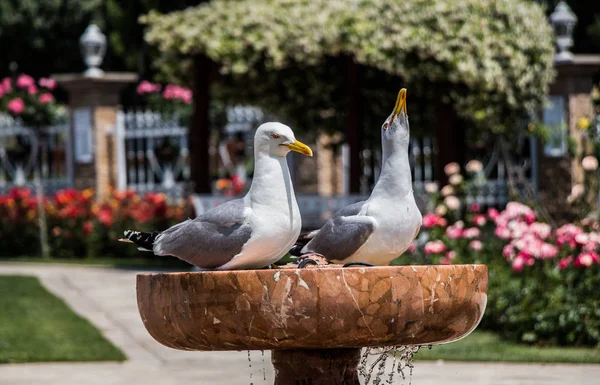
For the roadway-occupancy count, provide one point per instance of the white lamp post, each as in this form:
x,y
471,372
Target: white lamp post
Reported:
x,y
563,21
93,48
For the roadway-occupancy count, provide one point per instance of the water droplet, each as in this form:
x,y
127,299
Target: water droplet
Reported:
x,y
264,367
250,366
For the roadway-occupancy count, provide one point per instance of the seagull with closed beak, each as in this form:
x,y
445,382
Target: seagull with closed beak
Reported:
x,y
247,233
380,229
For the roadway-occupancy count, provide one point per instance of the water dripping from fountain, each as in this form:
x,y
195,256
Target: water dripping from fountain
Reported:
x,y
250,366
264,367
403,357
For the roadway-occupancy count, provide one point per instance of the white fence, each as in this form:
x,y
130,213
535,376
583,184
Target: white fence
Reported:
x,y
22,148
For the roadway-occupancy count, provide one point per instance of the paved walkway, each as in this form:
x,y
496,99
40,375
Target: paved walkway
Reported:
x,y
107,298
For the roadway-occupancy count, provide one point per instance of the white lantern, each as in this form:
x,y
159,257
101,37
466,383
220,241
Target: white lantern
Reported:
x,y
563,21
93,48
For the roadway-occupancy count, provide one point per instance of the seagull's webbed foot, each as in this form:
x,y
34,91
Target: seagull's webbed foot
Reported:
x,y
355,263
305,262
311,259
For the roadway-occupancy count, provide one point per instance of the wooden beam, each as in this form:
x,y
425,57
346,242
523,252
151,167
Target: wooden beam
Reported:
x,y
199,133
450,140
353,125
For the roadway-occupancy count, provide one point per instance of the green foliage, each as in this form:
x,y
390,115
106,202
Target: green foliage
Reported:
x,y
491,60
42,37
36,326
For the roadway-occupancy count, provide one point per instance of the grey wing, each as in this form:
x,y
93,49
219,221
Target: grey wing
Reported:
x,y
352,209
343,234
210,240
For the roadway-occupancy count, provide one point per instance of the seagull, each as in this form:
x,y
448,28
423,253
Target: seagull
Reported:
x,y
380,229
252,232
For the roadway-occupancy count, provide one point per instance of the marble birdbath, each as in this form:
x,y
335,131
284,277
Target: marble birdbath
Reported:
x,y
315,320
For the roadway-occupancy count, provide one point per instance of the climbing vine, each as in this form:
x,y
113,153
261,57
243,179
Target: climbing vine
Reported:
x,y
492,60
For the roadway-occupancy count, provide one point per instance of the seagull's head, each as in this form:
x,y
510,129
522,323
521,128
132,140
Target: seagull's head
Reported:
x,y
277,139
395,129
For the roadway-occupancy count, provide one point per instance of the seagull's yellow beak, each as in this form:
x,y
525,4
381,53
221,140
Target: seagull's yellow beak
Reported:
x,y
400,104
299,147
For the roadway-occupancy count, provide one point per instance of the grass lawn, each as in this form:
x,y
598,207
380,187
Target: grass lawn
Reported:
x,y
150,263
36,326
486,346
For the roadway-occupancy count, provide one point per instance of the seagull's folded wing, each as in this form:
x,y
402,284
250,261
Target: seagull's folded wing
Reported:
x,y
343,235
210,240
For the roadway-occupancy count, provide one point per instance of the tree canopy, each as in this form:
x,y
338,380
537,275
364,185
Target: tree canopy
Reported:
x,y
492,60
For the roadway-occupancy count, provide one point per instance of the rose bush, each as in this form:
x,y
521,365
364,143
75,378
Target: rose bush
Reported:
x,y
30,101
79,226
543,281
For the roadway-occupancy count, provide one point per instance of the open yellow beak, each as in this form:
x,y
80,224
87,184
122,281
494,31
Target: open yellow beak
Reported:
x,y
400,104
299,147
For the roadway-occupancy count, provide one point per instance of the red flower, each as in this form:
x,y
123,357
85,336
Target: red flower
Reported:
x,y
87,227
105,216
32,90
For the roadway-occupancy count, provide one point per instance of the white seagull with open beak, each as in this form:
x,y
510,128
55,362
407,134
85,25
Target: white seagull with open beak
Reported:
x,y
380,229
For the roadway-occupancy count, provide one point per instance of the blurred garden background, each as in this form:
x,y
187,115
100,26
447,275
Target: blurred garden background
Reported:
x,y
138,114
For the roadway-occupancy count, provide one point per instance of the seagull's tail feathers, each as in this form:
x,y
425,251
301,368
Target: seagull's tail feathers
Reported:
x,y
144,240
302,240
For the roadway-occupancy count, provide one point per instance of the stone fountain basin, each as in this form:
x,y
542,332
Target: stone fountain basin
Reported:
x,y
313,308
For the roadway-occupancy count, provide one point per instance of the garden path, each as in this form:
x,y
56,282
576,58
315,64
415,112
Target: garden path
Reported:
x,y
106,297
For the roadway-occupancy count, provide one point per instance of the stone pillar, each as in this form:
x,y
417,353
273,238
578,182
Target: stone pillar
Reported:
x,y
93,105
574,82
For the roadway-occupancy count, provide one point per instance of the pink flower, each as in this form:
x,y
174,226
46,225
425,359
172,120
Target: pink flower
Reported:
x,y
476,245
412,247
502,232
175,92
434,247
16,106
586,259
450,255
47,83
452,168
145,87
32,89
589,163
518,263
25,81
493,214
547,251
565,262
452,202
542,230
1,90
530,217
46,98
455,231
582,238
508,251
6,85
474,207
471,232
430,220
480,220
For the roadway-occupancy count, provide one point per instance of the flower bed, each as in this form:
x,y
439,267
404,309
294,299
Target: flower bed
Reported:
x,y
78,226
543,281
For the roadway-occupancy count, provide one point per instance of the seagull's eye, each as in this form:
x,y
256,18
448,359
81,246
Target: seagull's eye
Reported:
x,y
385,125
275,136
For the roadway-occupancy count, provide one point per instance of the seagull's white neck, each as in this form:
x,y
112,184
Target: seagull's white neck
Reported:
x,y
395,179
271,182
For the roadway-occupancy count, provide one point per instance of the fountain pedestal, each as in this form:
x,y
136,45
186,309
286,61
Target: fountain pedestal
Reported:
x,y
316,366
315,319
